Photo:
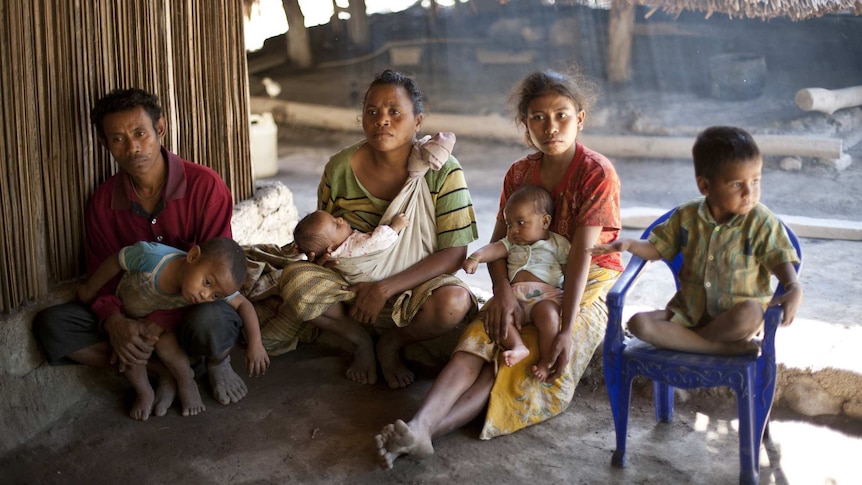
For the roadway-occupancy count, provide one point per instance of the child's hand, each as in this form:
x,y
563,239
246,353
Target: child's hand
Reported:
x,y
600,249
86,294
789,302
470,265
256,360
399,222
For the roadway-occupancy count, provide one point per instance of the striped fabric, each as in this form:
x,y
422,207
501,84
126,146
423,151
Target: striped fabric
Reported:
x,y
723,264
340,194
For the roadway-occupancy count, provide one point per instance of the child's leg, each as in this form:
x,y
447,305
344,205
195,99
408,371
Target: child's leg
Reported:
x,y
546,317
177,362
656,328
517,351
337,320
739,324
137,376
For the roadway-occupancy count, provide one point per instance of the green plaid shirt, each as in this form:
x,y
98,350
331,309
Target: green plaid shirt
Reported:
x,y
723,264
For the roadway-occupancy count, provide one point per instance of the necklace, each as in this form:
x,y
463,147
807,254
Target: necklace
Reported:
x,y
155,194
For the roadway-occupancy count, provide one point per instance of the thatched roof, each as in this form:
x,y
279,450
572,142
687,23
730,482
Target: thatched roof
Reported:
x,y
757,9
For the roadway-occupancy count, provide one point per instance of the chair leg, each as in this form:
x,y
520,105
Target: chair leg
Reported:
x,y
748,454
663,400
620,397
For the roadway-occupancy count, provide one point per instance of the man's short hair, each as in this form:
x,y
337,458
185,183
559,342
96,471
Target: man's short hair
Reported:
x,y
120,100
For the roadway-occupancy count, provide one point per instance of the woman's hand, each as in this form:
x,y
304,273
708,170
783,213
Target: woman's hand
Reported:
x,y
502,311
370,300
561,351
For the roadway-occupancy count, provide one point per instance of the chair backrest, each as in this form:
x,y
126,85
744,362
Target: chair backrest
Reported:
x,y
676,264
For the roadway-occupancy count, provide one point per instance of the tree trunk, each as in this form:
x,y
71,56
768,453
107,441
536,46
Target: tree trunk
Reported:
x,y
298,44
357,24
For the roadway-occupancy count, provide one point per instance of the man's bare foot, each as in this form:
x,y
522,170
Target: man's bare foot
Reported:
x,y
190,396
228,387
143,405
363,369
397,374
515,355
399,439
166,390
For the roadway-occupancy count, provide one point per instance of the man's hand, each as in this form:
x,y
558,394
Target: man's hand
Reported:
x,y
130,339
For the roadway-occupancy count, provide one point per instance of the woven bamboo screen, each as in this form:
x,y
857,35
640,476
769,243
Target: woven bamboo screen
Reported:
x,y
58,57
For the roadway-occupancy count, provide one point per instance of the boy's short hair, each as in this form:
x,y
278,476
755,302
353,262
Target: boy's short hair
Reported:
x,y
718,146
535,195
120,100
227,251
306,234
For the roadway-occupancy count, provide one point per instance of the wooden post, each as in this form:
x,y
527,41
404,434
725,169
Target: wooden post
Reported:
x,y
620,31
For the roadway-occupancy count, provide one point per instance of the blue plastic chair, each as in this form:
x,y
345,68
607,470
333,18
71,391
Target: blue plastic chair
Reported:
x,y
752,378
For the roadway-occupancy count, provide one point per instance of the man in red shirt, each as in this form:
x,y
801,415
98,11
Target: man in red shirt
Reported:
x,y
154,196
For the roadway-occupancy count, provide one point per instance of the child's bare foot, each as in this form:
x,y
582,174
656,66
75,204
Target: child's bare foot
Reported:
x,y
515,355
166,390
541,370
397,374
190,396
363,369
143,405
400,439
740,347
228,386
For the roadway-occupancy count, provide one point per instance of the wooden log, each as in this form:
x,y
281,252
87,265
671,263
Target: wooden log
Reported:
x,y
828,100
496,127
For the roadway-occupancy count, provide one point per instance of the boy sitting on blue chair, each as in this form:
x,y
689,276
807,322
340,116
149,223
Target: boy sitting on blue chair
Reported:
x,y
730,244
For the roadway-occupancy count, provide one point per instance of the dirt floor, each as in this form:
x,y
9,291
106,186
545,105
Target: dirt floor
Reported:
x,y
305,423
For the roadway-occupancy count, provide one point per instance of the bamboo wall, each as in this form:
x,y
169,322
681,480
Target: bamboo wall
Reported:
x,y
58,57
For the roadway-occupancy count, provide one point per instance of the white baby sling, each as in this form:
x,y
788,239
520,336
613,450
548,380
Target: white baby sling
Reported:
x,y
419,239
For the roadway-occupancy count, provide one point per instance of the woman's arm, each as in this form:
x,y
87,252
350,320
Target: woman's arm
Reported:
x,y
503,309
371,297
577,272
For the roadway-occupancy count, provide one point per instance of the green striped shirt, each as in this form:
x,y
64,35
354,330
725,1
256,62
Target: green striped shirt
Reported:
x,y
340,194
723,264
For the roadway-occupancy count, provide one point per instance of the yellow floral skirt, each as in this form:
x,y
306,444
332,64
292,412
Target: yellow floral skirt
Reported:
x,y
518,399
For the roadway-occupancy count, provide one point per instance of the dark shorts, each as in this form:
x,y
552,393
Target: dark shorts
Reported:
x,y
207,329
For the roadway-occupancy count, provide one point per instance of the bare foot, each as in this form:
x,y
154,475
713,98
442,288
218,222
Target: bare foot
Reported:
x,y
364,367
741,347
228,386
397,374
143,405
399,439
515,355
190,395
166,390
541,371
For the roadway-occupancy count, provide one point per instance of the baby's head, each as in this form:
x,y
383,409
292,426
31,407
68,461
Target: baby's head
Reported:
x,y
319,232
528,214
214,270
727,167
